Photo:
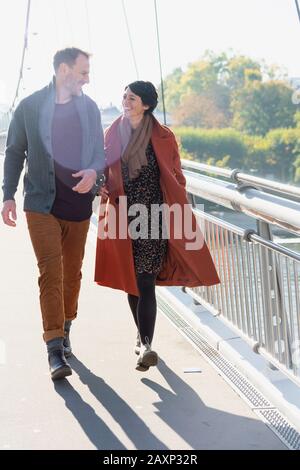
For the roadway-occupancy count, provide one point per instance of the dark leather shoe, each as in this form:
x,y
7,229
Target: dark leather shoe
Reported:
x,y
59,368
67,344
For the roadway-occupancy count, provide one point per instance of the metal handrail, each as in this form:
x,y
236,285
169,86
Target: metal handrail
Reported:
x,y
248,234
192,165
243,178
254,237
253,202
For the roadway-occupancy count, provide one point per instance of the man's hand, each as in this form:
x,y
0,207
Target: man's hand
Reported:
x,y
87,182
9,207
103,191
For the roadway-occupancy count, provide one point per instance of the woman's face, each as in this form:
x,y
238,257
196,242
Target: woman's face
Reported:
x,y
132,105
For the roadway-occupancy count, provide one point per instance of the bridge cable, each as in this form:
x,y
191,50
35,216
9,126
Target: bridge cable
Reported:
x,y
69,20
160,67
56,26
25,46
298,8
88,24
130,40
90,45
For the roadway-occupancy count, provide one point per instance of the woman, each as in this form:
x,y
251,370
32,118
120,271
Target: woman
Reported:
x,y
143,164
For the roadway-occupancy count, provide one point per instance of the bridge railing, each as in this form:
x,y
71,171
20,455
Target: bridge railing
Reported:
x,y
259,293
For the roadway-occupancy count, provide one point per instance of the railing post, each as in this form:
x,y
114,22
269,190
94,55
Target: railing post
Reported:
x,y
192,200
270,276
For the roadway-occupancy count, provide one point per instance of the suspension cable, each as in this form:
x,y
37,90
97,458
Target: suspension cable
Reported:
x,y
90,45
56,25
298,8
130,40
25,46
159,57
68,19
88,25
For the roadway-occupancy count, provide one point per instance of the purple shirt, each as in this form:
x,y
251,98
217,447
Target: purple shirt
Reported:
x,y
67,147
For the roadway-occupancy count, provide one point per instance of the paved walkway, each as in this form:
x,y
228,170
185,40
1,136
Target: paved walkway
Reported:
x,y
106,403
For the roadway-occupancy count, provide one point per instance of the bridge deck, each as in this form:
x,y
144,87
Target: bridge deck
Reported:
x,y
106,403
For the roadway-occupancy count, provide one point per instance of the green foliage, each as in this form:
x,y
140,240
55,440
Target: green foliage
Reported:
x,y
234,112
213,145
258,151
276,155
172,90
184,154
221,91
239,69
284,147
260,107
296,165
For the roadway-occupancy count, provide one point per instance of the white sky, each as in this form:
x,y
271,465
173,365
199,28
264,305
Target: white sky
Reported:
x,y
262,29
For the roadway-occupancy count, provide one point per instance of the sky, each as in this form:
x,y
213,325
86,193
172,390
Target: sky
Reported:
x,y
266,30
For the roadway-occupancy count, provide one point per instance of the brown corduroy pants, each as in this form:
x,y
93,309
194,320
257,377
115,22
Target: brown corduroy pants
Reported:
x,y
59,249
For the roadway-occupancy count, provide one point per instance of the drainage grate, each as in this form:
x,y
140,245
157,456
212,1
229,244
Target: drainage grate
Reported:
x,y
260,405
281,427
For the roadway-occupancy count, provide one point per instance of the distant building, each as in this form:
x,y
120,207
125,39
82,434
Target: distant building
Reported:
x,y
111,113
4,118
108,115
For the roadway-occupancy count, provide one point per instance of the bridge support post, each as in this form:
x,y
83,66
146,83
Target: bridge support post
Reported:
x,y
277,328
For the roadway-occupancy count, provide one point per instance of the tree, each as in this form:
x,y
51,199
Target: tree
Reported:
x,y
172,91
283,150
222,90
199,111
296,164
237,70
260,107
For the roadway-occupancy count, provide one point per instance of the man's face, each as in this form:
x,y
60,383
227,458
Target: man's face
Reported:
x,y
77,75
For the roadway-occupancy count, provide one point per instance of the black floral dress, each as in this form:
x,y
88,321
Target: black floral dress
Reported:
x,y
149,243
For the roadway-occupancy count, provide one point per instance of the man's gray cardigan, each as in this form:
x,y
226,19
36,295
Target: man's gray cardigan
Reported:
x,y
30,139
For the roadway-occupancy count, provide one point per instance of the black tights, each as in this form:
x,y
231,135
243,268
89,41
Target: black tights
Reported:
x,y
144,307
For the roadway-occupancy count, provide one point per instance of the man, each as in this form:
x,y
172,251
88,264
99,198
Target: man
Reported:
x,y
57,132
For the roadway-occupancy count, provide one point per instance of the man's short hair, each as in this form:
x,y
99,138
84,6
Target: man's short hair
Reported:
x,y
68,56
